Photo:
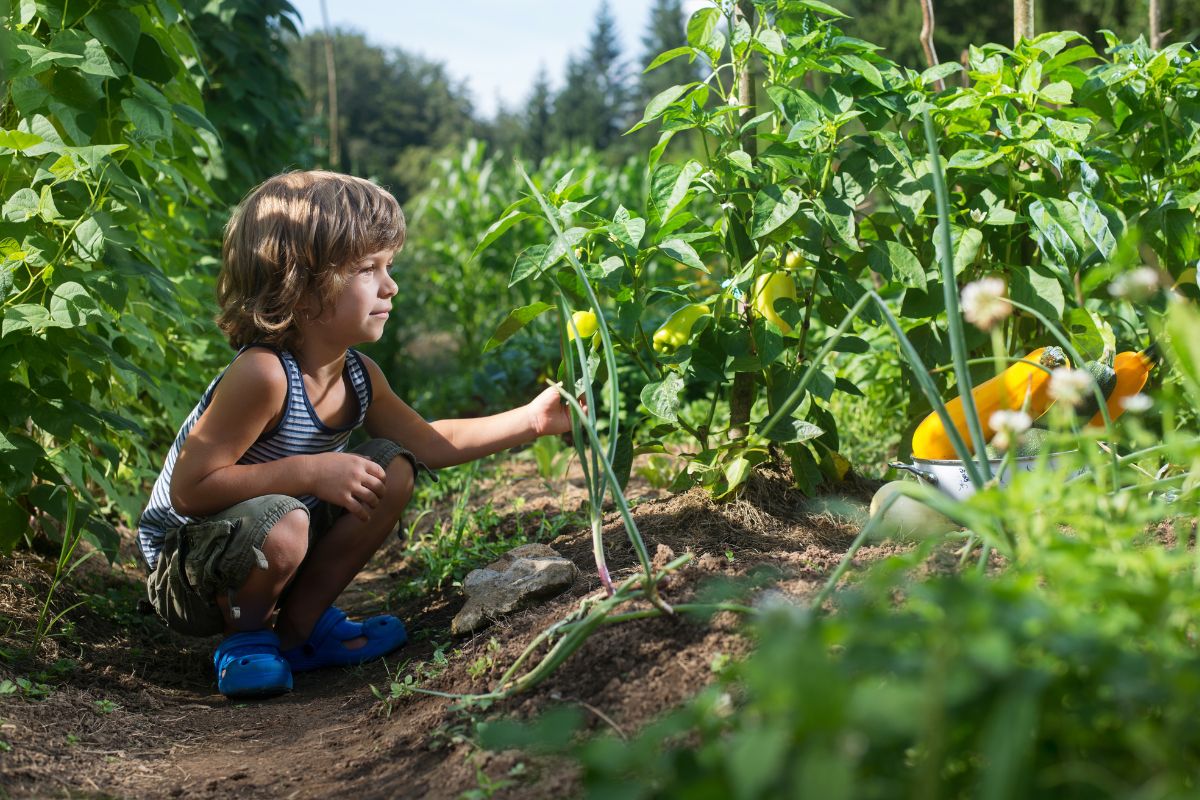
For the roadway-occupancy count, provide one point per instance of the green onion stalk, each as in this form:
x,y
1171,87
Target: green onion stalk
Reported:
x,y
596,460
954,322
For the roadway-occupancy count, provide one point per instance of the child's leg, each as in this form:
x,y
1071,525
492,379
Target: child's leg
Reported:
x,y
337,556
284,548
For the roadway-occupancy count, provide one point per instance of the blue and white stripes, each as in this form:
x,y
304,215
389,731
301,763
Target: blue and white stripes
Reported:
x,y
299,432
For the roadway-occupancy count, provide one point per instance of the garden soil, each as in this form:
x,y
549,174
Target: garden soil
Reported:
x,y
121,707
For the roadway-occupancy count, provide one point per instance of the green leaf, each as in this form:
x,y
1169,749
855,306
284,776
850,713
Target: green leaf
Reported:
x,y
671,55
118,29
1052,230
966,248
820,8
517,319
702,28
71,305
95,60
669,187
973,159
939,72
682,252
1095,224
659,103
741,160
773,207
147,120
1037,287
663,398
511,217
22,206
628,229
46,208
24,316
896,262
89,240
18,140
1077,132
794,430
1183,346
1059,92
771,41
7,268
866,69
528,263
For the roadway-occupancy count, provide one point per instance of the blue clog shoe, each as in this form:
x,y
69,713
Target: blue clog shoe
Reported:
x,y
326,644
249,665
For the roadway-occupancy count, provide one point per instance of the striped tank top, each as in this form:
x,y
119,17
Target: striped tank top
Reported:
x,y
299,432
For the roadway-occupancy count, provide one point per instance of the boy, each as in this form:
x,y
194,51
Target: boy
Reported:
x,y
258,508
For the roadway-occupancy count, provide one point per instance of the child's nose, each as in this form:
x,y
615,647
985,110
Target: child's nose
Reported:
x,y
390,287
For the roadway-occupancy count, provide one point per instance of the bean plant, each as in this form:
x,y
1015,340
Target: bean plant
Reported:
x,y
115,178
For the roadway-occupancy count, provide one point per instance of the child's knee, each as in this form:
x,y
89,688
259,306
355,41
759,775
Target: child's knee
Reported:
x,y
287,542
398,487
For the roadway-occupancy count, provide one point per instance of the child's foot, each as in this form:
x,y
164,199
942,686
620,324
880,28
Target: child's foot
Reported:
x,y
249,665
337,641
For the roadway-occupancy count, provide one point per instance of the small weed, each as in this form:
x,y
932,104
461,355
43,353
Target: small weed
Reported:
x,y
72,739
445,554
486,786
421,671
659,471
483,665
719,662
5,747
106,706
552,456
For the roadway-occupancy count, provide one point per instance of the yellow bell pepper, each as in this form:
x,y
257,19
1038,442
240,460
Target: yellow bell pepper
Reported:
x,y
675,332
767,289
585,323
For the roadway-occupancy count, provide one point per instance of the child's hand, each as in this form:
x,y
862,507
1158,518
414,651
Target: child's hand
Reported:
x,y
348,480
549,413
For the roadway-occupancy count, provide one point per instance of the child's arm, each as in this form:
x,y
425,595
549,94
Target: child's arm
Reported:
x,y
447,442
247,402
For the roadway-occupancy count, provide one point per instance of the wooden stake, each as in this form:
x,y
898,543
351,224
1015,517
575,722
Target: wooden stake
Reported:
x,y
927,39
331,77
1023,12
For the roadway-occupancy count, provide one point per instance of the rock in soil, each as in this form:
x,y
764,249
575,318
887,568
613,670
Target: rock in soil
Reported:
x,y
519,579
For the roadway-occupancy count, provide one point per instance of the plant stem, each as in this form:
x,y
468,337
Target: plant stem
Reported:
x,y
950,295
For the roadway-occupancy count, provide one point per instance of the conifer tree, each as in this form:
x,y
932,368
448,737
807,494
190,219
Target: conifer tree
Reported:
x,y
539,113
608,79
665,30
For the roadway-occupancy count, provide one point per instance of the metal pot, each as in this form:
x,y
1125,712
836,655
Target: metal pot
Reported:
x,y
951,476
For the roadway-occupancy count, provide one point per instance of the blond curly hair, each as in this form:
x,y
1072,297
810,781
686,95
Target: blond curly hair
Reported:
x,y
294,239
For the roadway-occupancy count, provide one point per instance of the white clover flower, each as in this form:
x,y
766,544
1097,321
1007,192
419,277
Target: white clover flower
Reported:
x,y
1136,285
1008,425
1070,386
1136,403
984,302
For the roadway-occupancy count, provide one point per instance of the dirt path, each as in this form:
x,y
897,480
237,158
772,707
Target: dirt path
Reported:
x,y
137,713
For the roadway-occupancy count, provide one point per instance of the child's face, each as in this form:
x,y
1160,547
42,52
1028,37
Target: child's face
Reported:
x,y
361,309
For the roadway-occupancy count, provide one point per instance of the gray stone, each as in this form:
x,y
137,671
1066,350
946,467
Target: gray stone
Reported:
x,y
517,580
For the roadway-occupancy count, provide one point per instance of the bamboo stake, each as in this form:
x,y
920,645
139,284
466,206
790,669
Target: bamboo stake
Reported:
x,y
927,39
331,76
1156,35
741,395
1023,12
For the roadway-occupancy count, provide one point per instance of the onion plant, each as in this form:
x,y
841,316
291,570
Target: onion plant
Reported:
x,y
595,458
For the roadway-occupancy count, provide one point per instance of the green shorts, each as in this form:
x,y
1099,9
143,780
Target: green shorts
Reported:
x,y
208,556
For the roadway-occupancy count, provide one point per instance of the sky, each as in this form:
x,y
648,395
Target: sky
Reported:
x,y
495,46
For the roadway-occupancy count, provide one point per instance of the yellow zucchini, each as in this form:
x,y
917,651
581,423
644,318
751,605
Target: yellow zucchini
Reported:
x,y
1008,390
